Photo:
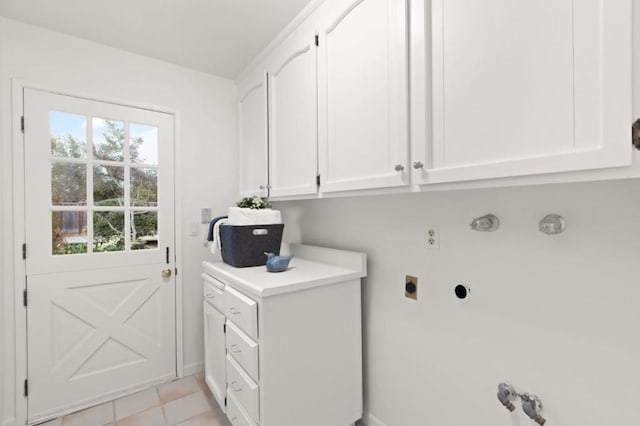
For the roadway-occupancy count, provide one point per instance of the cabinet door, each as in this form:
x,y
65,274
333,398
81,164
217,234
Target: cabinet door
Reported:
x,y
522,87
215,353
293,115
362,58
252,114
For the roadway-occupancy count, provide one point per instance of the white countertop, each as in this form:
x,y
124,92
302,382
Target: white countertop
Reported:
x,y
310,267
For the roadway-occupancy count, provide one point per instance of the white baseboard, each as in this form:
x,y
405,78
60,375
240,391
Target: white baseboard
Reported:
x,y
194,368
370,420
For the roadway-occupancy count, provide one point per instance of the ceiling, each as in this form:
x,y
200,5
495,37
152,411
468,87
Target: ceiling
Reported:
x,y
214,36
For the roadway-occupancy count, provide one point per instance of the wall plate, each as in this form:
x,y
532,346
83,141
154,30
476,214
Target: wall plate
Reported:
x,y
432,237
205,215
411,287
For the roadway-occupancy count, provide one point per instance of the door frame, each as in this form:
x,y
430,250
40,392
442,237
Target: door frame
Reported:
x,y
17,236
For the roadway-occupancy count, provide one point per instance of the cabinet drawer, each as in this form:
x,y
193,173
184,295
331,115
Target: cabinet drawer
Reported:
x,y
242,311
246,392
236,415
243,349
213,292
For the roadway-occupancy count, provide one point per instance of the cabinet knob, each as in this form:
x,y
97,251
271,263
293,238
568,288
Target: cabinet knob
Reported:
x,y
418,165
234,311
235,349
399,168
261,187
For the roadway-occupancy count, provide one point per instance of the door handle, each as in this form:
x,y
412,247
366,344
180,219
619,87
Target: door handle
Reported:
x,y
166,273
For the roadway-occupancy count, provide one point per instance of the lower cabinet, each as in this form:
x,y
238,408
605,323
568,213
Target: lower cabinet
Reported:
x,y
290,357
215,352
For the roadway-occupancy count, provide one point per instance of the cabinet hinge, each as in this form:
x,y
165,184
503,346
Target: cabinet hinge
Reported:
x,y
24,297
24,251
225,401
635,134
176,271
167,254
224,328
22,124
26,387
317,40
318,180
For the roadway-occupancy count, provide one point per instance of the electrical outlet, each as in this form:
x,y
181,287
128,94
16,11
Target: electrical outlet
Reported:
x,y
411,287
433,237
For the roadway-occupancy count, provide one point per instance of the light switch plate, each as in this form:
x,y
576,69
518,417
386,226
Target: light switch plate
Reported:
x,y
205,215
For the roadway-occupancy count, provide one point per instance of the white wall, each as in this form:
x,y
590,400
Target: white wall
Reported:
x,y
3,207
556,315
207,138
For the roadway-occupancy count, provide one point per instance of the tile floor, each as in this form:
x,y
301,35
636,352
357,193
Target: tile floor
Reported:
x,y
184,402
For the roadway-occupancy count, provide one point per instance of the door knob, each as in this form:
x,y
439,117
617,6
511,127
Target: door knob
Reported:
x,y
166,273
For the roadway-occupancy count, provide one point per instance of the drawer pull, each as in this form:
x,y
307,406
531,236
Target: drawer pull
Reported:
x,y
235,387
235,349
234,418
210,296
234,311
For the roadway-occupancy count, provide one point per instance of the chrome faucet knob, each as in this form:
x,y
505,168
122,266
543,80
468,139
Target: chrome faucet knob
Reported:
x,y
532,406
506,395
552,224
486,223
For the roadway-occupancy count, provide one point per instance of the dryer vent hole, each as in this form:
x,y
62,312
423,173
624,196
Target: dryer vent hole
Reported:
x,y
462,291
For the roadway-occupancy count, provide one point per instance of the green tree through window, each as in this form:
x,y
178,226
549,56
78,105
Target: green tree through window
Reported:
x,y
69,188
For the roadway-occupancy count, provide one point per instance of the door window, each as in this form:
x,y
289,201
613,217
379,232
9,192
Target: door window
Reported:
x,y
104,185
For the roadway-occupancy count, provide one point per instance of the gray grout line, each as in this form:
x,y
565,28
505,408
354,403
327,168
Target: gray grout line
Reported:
x,y
164,416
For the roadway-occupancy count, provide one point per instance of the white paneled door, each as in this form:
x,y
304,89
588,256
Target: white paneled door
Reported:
x,y
99,202
215,352
252,116
362,97
293,122
522,88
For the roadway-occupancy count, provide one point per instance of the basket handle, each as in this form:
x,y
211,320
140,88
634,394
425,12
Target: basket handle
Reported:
x,y
260,231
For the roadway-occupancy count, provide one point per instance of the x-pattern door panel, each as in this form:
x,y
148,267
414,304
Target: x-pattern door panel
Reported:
x,y
99,331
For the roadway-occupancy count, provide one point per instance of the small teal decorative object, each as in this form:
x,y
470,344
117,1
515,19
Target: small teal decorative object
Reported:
x,y
277,263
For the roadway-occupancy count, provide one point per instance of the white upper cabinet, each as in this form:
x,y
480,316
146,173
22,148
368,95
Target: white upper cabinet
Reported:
x,y
506,88
252,114
293,117
363,109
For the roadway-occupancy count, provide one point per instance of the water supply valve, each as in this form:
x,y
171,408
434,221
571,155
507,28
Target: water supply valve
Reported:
x,y
532,406
506,395
486,223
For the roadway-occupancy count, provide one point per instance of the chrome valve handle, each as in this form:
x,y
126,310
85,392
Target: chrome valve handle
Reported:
x,y
532,406
486,223
506,395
